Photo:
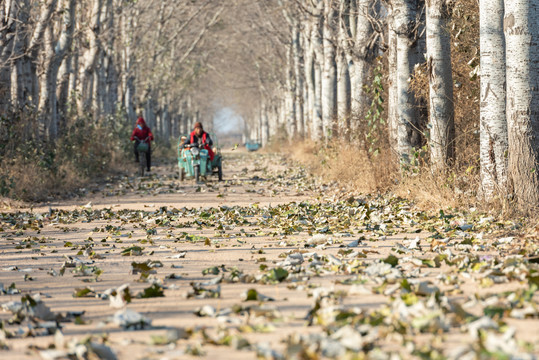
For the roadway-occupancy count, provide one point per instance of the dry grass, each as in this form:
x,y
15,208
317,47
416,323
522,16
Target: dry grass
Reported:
x,y
28,181
39,170
354,169
347,164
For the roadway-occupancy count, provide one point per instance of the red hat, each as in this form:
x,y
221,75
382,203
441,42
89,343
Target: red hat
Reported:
x,y
198,125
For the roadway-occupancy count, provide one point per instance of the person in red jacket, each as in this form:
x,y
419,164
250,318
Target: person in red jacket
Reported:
x,y
199,136
142,133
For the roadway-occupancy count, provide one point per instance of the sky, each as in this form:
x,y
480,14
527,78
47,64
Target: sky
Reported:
x,y
226,121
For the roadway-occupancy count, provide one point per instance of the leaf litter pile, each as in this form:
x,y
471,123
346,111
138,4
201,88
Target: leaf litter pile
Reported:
x,y
319,274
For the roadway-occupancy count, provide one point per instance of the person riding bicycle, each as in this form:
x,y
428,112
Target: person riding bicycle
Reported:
x,y
202,138
142,133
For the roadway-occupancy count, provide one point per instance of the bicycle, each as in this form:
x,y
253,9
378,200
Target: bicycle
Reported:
x,y
143,148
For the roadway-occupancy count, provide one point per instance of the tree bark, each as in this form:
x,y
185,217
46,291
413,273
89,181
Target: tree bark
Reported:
x,y
128,62
309,78
365,54
522,35
493,131
329,76
442,126
54,53
318,49
90,59
405,27
299,80
343,73
290,100
8,34
392,97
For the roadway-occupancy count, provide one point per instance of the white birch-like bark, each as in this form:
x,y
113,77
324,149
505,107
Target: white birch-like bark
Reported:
x,y
442,128
343,73
62,89
493,131
299,80
274,118
290,101
364,56
128,62
317,132
329,75
392,94
23,72
90,58
521,30
47,8
54,53
343,96
309,78
8,31
107,73
405,22
264,126
165,120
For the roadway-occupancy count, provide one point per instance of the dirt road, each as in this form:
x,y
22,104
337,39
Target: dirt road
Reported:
x,y
267,263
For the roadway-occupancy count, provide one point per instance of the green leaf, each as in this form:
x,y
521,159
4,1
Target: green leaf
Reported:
x,y
153,291
84,292
277,274
132,251
391,260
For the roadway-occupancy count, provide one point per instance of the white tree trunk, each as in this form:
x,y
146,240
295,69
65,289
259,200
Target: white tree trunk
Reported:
x,y
493,132
343,96
8,34
522,36
309,78
404,22
90,58
329,76
290,94
128,63
442,126
392,94
108,72
317,132
299,81
343,73
54,53
364,56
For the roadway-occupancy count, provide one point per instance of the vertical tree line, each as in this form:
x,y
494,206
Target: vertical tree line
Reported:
x,y
100,59
340,40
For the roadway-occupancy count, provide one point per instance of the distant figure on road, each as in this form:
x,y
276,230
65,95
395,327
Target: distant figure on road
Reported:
x,y
142,133
202,138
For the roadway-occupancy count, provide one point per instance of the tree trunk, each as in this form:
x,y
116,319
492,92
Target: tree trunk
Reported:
x,y
343,96
405,23
493,142
316,37
343,73
309,79
90,59
128,62
442,127
522,35
392,93
364,57
299,83
290,94
265,126
329,76
8,33
54,53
